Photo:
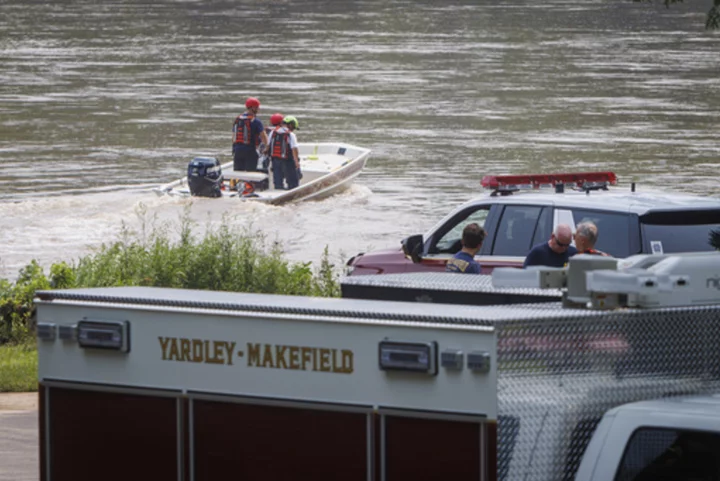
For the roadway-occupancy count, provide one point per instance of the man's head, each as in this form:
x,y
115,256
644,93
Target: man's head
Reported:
x,y
473,236
276,119
561,238
252,104
586,234
291,122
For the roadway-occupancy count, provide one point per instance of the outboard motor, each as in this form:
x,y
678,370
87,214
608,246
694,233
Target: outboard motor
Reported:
x,y
205,177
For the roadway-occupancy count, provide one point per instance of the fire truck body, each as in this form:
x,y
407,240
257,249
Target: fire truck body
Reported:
x,y
195,385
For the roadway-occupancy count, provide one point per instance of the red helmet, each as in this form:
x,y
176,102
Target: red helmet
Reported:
x,y
252,103
276,119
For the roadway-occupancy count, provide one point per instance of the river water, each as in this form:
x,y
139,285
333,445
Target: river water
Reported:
x,y
101,101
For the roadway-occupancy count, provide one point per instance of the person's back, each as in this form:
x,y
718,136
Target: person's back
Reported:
x,y
284,154
555,252
464,261
248,134
264,160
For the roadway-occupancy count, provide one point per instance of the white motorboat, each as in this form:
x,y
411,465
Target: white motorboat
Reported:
x,y
326,168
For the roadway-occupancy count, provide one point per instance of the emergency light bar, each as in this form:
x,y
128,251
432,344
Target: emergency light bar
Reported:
x,y
579,180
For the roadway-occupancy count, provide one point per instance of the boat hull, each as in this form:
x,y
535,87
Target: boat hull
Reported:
x,y
327,169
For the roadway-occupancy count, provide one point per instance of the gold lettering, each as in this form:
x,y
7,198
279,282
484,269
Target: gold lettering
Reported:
x,y
294,357
197,350
274,356
173,350
229,348
306,356
325,359
335,363
267,356
253,355
217,355
184,349
280,362
347,361
164,341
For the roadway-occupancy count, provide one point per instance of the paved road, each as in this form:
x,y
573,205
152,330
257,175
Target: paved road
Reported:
x,y
19,446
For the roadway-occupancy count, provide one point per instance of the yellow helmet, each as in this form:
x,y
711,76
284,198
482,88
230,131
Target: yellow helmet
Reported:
x,y
290,120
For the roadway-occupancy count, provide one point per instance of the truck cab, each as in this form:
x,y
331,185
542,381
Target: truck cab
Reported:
x,y
519,212
670,439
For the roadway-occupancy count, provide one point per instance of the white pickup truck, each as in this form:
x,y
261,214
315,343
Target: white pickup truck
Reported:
x,y
671,439
181,385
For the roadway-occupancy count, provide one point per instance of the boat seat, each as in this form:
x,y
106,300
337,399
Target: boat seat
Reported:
x,y
245,175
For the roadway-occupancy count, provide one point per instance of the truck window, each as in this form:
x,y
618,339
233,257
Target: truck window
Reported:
x,y
613,230
670,455
544,227
450,240
666,232
514,236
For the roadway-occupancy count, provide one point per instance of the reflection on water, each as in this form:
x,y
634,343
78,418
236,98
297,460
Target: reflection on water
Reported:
x,y
99,102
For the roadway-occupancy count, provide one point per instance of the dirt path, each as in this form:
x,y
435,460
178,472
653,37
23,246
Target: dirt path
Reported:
x,y
18,401
19,437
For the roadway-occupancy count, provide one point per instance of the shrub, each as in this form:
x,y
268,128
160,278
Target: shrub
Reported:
x,y
224,259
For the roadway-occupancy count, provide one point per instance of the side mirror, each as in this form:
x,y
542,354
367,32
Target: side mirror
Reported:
x,y
412,247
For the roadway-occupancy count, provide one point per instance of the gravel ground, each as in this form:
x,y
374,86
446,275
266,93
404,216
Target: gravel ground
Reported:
x,y
19,437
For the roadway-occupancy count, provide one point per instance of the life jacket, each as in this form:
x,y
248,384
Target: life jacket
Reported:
x,y
280,144
242,131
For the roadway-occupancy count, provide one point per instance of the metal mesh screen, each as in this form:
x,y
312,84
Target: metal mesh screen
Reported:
x,y
556,378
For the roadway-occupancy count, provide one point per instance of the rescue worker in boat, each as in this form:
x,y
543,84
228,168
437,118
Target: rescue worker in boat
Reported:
x,y
264,160
464,261
284,155
586,235
555,252
248,134
275,122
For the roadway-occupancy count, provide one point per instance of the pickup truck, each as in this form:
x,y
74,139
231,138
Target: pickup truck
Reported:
x,y
675,439
518,212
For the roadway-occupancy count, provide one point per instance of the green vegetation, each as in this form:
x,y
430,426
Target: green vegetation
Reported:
x,y
18,368
224,259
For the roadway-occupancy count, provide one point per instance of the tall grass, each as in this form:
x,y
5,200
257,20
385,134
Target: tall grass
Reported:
x,y
223,258
226,258
18,368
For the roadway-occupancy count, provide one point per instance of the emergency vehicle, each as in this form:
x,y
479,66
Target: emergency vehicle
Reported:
x,y
521,211
170,384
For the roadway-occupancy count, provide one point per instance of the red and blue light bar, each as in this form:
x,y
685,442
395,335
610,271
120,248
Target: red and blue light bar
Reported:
x,y
578,180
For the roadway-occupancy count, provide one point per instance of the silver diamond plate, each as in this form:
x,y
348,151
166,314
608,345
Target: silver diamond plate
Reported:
x,y
444,281
557,377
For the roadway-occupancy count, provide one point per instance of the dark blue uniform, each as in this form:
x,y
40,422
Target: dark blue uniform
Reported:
x,y
543,255
463,263
247,129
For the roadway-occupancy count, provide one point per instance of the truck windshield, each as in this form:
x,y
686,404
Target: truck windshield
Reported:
x,y
669,232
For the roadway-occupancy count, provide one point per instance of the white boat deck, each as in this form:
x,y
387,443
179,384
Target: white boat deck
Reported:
x,y
317,161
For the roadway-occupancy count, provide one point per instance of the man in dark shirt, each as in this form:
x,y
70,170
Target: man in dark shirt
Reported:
x,y
555,252
464,261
